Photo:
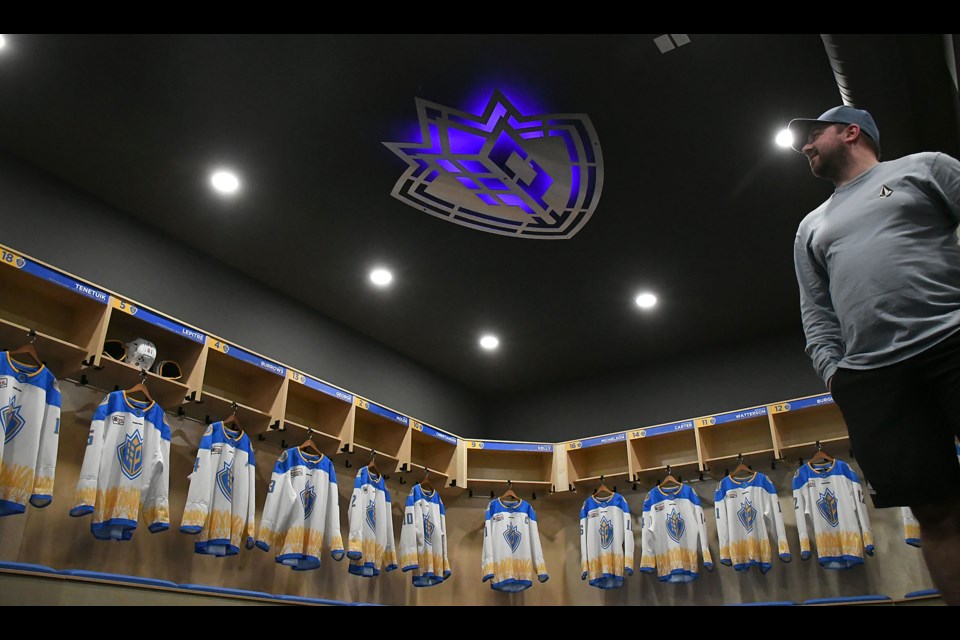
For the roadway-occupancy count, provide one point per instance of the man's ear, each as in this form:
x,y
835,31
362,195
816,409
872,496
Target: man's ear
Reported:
x,y
851,132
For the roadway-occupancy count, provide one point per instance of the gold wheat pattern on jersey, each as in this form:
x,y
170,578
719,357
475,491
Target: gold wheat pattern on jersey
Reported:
x,y
194,518
911,531
597,567
221,525
750,549
16,483
156,513
432,562
372,552
676,558
838,544
516,568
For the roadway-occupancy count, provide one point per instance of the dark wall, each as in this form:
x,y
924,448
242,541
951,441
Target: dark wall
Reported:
x,y
763,371
57,224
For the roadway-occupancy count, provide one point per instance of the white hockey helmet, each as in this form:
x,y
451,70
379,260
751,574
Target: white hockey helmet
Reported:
x,y
141,353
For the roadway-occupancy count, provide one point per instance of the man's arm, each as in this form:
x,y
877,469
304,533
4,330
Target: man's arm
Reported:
x,y
820,324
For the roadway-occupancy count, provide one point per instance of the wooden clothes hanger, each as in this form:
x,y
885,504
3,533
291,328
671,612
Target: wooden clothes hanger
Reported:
x,y
232,418
741,468
141,387
425,483
819,456
309,444
669,482
371,466
509,495
28,349
602,490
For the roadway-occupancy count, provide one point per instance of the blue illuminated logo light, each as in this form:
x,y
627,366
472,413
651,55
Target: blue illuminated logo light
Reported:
x,y
528,176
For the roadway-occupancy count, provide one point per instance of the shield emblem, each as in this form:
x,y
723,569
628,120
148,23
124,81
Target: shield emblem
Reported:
x,y
828,507
371,515
12,420
130,455
225,480
427,530
513,537
502,171
675,525
20,263
606,533
747,515
308,497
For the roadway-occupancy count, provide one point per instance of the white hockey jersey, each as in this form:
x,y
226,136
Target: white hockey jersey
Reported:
x,y
748,514
512,555
126,468
606,541
911,526
423,538
831,496
371,546
302,511
30,417
221,502
672,523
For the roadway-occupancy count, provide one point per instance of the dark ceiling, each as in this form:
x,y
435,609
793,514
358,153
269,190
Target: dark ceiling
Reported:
x,y
697,202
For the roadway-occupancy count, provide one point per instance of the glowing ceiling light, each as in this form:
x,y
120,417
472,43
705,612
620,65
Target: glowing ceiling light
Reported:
x,y
784,138
381,277
646,300
225,182
489,342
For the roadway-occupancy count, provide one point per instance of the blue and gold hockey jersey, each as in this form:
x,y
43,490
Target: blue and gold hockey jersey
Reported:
x,y
371,547
831,496
126,468
748,514
423,538
30,417
221,502
606,541
672,524
512,555
302,511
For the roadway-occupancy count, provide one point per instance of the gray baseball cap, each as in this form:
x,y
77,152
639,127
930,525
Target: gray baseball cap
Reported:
x,y
800,127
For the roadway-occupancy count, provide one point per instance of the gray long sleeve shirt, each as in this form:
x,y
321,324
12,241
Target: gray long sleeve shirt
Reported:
x,y
878,265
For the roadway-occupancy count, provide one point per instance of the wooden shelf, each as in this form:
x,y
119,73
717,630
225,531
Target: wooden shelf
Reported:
x,y
293,434
745,454
235,380
214,408
679,465
500,465
813,444
114,374
65,360
593,458
308,403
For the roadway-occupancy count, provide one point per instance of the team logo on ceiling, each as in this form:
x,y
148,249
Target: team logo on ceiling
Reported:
x,y
535,176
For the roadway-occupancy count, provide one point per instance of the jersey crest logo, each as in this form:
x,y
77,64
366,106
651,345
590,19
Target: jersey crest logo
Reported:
x,y
829,508
675,525
225,480
427,530
513,536
535,176
371,515
308,497
606,533
130,454
747,515
12,420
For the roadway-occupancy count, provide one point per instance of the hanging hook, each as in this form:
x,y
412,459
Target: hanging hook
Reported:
x,y
819,448
739,458
601,478
32,334
373,454
143,376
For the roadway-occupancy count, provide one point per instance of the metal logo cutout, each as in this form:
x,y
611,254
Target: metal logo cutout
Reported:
x,y
528,176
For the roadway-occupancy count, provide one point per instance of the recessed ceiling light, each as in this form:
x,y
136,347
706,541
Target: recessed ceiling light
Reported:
x,y
381,277
784,138
489,342
225,182
646,300
3,41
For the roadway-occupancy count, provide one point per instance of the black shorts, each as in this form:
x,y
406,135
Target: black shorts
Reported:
x,y
903,420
